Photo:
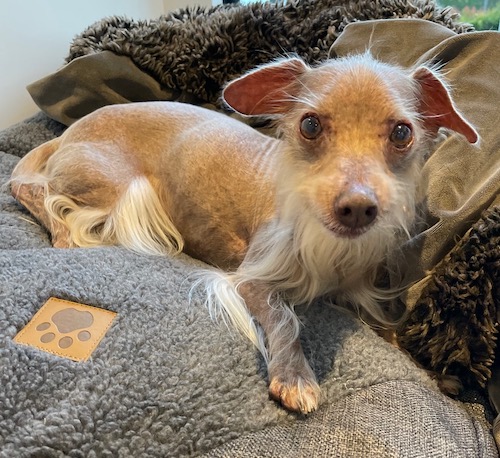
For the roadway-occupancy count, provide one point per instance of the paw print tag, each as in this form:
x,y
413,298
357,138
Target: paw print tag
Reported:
x,y
66,329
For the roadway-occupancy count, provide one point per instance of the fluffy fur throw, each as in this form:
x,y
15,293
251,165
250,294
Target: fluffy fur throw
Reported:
x,y
453,328
198,50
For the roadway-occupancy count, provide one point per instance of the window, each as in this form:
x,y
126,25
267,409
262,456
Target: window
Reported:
x,y
483,14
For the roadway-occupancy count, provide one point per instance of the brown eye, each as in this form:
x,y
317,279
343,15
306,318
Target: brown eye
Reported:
x,y
401,136
310,127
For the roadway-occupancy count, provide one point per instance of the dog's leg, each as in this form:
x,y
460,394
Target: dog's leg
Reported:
x,y
28,185
291,380
32,196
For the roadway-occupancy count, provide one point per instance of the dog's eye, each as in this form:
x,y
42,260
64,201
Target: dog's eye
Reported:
x,y
310,127
401,136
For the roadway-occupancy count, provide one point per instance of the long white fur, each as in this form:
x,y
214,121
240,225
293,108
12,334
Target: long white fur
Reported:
x,y
225,303
137,221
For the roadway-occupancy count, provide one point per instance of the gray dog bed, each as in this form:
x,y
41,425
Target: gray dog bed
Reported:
x,y
166,380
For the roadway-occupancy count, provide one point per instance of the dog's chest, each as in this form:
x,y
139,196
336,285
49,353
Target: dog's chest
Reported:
x,y
324,264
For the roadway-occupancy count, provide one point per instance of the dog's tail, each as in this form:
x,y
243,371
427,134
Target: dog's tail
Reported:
x,y
137,221
224,302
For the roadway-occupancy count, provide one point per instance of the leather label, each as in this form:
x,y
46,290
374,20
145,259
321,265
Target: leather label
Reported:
x,y
66,329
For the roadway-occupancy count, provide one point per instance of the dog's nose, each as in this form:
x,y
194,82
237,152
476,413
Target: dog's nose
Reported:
x,y
356,208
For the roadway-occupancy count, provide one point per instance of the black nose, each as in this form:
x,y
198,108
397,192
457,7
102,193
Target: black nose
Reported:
x,y
356,209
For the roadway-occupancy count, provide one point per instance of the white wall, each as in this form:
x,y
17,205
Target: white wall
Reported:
x,y
35,37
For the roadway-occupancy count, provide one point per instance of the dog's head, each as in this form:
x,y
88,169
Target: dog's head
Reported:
x,y
355,133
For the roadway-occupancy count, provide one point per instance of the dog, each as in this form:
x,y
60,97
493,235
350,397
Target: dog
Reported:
x,y
315,211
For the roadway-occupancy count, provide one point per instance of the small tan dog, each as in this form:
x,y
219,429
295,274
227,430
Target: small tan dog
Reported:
x,y
314,212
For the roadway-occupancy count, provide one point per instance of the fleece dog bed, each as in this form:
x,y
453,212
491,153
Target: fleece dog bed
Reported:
x,y
167,381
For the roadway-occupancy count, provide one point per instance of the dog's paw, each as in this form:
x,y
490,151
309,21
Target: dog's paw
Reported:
x,y
296,393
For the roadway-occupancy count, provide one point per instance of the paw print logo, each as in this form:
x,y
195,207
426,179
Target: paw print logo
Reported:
x,y
67,321
66,329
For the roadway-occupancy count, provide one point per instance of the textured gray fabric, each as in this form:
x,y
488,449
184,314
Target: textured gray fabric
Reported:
x,y
372,423
24,136
166,381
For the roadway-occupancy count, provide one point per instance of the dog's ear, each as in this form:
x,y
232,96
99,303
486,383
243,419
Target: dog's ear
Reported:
x,y
437,108
265,90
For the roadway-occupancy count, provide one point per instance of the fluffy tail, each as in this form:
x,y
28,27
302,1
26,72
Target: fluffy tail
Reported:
x,y
223,301
137,221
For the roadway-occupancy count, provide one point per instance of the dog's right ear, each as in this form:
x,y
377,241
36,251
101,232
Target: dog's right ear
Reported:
x,y
265,90
437,108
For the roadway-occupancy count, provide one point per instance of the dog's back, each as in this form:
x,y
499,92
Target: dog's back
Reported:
x,y
155,177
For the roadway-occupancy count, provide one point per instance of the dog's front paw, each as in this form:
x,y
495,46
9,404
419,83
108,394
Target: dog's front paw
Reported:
x,y
295,392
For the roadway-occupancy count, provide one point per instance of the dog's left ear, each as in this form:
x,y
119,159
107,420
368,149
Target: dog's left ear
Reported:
x,y
266,90
437,108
